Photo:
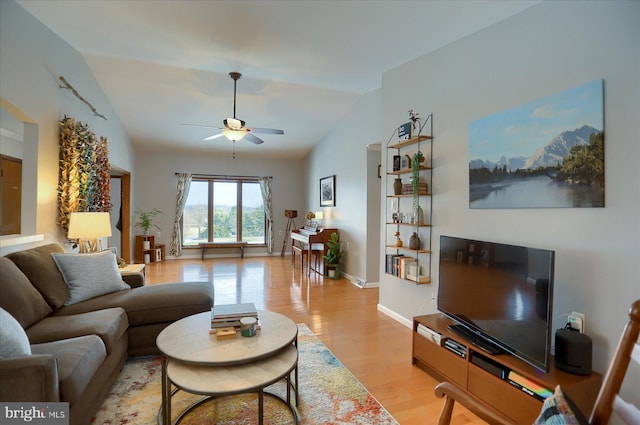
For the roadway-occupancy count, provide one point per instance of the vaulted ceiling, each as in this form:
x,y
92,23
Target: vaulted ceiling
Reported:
x,y
165,63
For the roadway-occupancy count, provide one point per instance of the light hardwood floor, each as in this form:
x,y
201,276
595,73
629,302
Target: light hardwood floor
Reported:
x,y
374,347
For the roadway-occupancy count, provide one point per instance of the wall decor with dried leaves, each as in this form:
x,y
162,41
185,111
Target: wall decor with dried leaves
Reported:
x,y
84,176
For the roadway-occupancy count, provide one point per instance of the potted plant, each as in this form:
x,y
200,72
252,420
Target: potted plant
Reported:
x,y
333,257
145,219
418,158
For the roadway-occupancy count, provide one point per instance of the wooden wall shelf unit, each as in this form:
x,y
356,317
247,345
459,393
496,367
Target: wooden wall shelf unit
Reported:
x,y
153,250
411,265
478,373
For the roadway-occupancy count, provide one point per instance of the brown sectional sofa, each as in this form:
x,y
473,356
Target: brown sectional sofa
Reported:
x,y
78,350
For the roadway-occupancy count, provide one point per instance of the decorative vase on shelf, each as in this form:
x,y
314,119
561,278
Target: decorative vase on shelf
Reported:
x,y
419,215
146,245
397,186
399,242
414,241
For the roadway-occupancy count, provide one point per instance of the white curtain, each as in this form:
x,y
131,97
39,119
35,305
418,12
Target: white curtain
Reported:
x,y
184,183
265,187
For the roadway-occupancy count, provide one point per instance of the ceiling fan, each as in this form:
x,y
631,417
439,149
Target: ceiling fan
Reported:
x,y
234,129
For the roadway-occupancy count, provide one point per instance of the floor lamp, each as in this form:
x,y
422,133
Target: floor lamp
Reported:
x,y
88,228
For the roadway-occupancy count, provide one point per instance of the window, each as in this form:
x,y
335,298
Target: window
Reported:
x,y
224,210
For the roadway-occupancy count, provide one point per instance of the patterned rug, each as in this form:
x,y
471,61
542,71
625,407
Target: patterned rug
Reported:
x,y
329,394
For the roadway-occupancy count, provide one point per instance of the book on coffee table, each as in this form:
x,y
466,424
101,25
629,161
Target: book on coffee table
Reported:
x,y
232,312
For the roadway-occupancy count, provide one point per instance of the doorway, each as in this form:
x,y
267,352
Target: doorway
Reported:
x,y
11,195
120,185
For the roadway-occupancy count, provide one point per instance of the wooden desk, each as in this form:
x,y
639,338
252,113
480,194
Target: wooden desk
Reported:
x,y
309,238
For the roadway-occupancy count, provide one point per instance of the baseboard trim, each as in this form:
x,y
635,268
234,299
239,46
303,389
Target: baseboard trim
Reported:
x,y
362,284
395,316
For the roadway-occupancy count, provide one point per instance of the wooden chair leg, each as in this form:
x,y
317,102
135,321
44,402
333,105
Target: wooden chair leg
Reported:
x,y
447,410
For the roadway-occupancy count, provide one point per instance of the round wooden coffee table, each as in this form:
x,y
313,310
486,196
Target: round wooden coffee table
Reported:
x,y
197,362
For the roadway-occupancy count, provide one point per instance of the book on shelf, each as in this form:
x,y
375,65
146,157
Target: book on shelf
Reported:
x,y
407,189
398,264
403,266
418,278
391,263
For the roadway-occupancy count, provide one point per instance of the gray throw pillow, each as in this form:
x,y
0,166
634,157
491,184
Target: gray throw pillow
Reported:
x,y
13,339
89,275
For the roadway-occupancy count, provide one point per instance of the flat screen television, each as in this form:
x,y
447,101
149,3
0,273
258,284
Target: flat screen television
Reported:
x,y
500,295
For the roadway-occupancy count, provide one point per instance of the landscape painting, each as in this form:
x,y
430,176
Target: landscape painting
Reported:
x,y
546,154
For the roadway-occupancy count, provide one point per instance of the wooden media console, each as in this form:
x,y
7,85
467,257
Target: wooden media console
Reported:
x,y
485,377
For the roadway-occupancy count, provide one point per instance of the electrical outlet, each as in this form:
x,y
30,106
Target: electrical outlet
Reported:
x,y
576,321
581,317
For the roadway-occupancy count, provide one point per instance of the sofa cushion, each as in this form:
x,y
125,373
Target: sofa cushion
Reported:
x,y
89,275
43,273
13,339
160,303
19,296
109,324
78,361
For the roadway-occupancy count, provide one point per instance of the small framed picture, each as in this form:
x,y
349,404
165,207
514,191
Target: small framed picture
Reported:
x,y
404,131
396,162
405,162
328,191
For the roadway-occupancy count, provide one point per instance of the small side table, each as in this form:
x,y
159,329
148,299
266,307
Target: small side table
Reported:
x,y
133,268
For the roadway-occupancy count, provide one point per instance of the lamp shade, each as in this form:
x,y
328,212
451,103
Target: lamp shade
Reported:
x,y
89,225
319,215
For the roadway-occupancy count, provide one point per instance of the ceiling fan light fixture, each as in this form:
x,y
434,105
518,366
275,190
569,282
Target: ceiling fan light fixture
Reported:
x,y
234,135
234,124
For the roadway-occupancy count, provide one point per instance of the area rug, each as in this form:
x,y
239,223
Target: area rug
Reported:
x,y
329,395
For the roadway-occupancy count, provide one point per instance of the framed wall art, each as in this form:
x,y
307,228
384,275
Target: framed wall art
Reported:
x,y
328,191
548,153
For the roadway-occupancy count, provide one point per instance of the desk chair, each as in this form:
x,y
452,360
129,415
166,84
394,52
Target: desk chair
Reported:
x,y
607,401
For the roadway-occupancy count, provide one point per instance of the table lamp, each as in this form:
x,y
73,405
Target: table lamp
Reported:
x,y
319,217
88,228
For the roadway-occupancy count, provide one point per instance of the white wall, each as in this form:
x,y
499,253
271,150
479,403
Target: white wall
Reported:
x,y
343,152
156,183
32,59
547,49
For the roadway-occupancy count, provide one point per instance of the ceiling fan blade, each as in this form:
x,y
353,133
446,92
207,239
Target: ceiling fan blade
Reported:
x,y
215,136
202,125
253,139
266,130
